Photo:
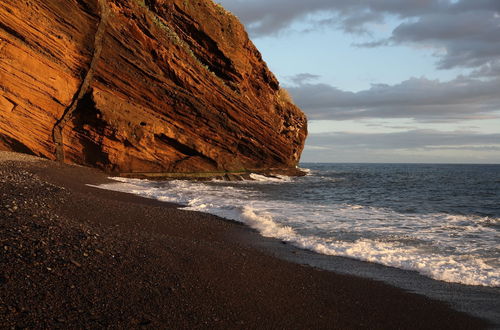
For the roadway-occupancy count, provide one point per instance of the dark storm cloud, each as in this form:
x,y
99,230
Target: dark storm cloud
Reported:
x,y
418,98
414,139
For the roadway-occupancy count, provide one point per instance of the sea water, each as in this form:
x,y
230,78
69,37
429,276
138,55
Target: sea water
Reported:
x,y
442,221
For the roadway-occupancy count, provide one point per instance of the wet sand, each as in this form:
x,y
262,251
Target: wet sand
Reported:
x,y
74,256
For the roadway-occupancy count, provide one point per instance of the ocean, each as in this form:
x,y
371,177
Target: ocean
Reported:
x,y
442,221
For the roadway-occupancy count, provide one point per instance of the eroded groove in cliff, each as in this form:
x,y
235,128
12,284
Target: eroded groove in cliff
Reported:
x,y
57,131
184,149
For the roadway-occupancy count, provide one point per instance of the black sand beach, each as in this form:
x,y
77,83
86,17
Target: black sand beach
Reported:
x,y
73,256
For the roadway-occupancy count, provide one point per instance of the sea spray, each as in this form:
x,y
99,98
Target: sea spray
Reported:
x,y
400,215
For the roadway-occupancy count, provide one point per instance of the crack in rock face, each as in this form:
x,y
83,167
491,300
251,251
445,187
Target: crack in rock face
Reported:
x,y
57,131
98,82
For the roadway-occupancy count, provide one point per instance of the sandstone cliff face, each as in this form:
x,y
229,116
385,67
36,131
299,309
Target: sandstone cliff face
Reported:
x,y
141,86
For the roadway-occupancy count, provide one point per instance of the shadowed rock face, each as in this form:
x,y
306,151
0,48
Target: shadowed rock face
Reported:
x,y
141,86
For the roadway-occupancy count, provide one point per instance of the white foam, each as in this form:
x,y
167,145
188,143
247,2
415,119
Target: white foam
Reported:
x,y
442,246
469,271
307,171
274,178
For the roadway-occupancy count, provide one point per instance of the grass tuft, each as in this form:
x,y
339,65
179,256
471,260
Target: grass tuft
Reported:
x,y
284,96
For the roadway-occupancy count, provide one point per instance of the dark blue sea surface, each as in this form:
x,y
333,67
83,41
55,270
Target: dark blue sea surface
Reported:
x,y
407,188
442,221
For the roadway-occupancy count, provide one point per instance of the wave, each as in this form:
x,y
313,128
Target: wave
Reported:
x,y
267,179
354,231
439,267
307,171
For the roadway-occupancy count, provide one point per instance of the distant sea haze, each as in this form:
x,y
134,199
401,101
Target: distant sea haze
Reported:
x,y
442,221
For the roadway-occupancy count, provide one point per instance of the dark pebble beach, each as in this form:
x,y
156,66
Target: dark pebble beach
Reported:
x,y
75,256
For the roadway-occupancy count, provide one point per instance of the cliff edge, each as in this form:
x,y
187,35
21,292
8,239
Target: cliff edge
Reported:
x,y
141,86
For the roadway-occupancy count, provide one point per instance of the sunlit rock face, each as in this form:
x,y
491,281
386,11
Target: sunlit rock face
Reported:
x,y
141,86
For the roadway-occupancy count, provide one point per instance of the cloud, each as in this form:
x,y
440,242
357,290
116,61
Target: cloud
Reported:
x,y
470,38
412,146
421,99
413,139
490,70
467,32
302,78
463,34
265,17
270,17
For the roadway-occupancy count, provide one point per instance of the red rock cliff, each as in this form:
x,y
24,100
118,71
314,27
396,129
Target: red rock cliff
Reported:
x,y
141,86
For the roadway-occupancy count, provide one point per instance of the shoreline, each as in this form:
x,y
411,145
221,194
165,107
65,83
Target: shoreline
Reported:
x,y
243,174
478,301
116,259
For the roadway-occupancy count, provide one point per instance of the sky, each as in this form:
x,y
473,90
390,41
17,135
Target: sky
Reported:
x,y
393,81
